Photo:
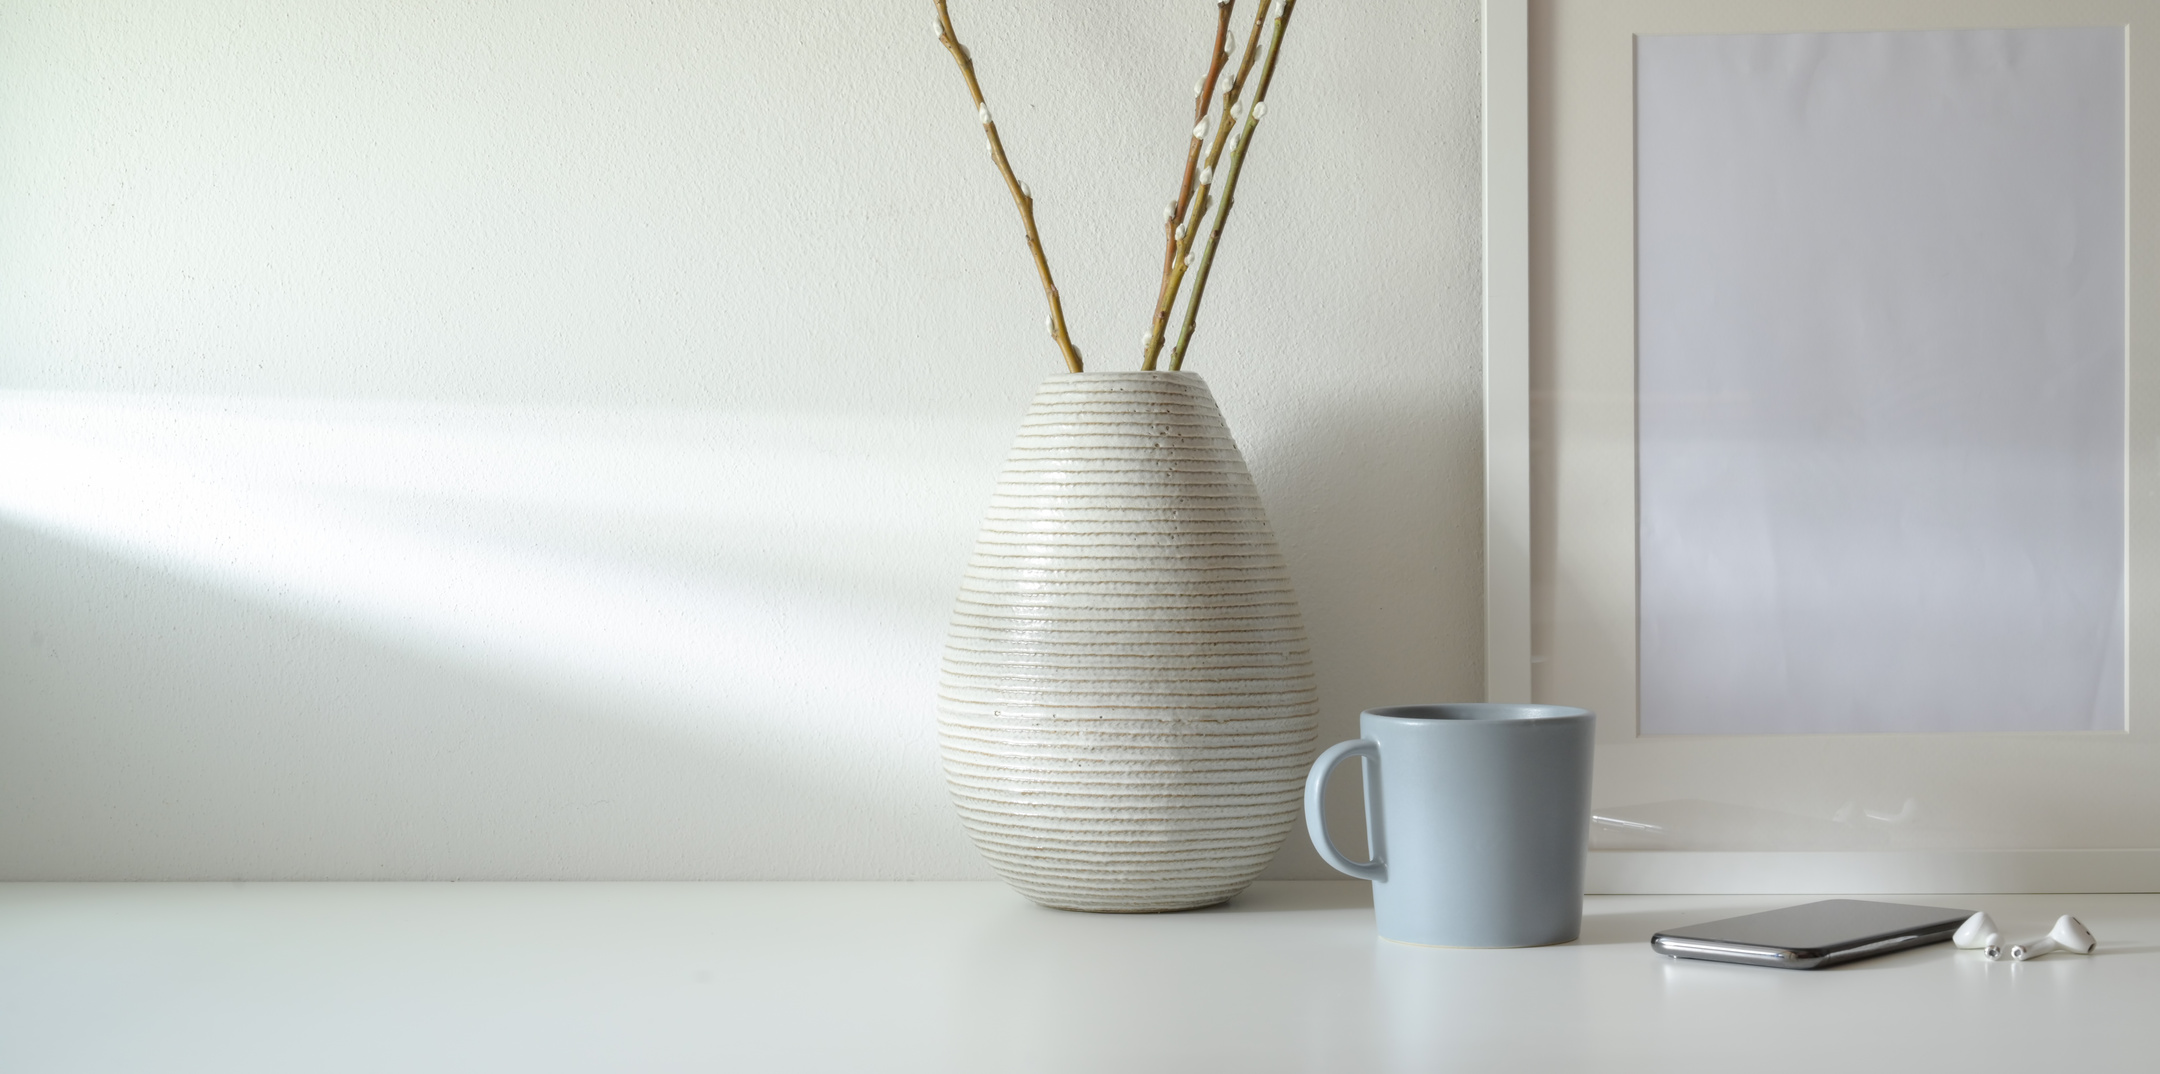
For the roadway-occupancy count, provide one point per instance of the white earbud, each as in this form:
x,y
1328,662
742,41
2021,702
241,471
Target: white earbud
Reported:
x,y
1995,949
2068,935
1975,932
2071,934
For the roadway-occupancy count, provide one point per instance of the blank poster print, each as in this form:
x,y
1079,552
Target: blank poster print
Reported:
x,y
1881,381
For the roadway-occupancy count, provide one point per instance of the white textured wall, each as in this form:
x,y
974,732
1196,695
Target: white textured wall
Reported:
x,y
541,439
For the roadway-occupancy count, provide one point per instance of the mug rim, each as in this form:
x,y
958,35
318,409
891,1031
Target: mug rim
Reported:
x,y
1461,712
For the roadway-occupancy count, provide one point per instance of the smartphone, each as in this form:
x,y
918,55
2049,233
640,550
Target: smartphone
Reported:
x,y
1812,936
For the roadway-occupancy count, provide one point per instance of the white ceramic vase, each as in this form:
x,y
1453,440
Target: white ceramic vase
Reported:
x,y
1126,705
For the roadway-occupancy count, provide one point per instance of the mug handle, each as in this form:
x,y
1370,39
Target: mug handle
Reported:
x,y
1316,813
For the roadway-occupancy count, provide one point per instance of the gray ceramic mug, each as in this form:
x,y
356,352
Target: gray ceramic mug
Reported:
x,y
1478,818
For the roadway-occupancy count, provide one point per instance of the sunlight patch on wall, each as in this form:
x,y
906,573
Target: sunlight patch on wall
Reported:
x,y
737,564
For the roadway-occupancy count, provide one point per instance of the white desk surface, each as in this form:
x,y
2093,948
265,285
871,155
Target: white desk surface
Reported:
x,y
966,977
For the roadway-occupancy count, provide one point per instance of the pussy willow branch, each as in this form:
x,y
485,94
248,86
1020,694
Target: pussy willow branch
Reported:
x,y
1190,226
1229,192
1021,197
1203,96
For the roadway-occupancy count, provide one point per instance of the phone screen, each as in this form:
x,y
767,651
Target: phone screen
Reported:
x,y
1830,923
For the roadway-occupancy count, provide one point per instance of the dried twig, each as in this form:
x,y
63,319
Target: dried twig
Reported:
x,y
1020,194
1237,164
1203,96
1189,227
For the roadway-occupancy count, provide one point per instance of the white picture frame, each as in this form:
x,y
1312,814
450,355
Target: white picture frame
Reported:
x,y
2003,811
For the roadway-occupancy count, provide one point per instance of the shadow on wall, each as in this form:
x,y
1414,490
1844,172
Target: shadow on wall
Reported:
x,y
365,640
1384,532
271,639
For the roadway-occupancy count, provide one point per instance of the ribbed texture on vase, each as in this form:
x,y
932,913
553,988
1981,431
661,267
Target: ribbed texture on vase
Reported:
x,y
1126,703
